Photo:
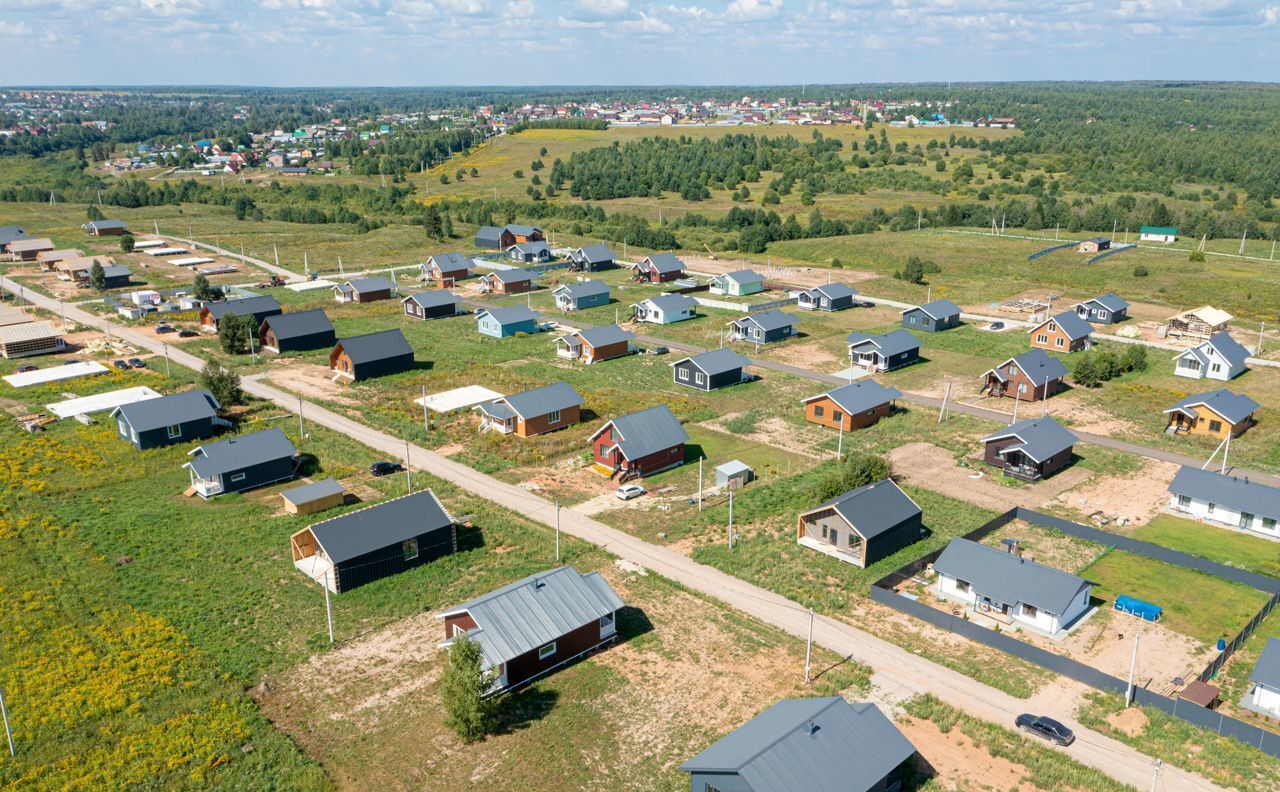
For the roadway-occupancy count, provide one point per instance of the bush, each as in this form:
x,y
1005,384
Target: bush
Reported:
x,y
1196,256
915,269
1140,271
223,384
126,243
857,470
1101,365
463,686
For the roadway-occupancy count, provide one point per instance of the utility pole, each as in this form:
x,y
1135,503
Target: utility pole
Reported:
x,y
426,413
1261,328
1155,779
1133,668
700,482
557,532
8,734
167,375
408,468
276,251
946,398
840,442
328,610
1017,397
730,519
808,650
302,428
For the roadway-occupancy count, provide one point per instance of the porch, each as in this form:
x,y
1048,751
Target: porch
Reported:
x,y
319,569
568,349
205,488
835,552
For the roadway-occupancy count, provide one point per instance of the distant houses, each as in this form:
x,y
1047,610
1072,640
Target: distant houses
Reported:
x,y
1093,245
364,290
665,309
508,281
595,344
1064,332
580,295
1031,449
175,418
503,238
932,317
105,228
829,297
1215,414
370,355
26,249
24,339
259,307
1031,376
1163,234
640,443
659,268
1229,501
535,625
738,283
882,352
863,525
1221,358
241,463
434,304
591,258
296,332
10,234
1104,309
504,321
533,412
529,252
766,327
1199,324
375,542
854,406
446,268
711,370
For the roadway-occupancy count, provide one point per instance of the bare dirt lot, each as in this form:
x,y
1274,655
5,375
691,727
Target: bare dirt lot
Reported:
x,y
312,381
774,432
1134,499
798,276
1105,642
958,763
927,465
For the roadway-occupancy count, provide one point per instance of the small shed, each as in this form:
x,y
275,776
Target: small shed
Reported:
x,y
734,475
1201,693
315,497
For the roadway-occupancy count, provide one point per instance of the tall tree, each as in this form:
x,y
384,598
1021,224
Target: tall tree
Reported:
x,y
463,686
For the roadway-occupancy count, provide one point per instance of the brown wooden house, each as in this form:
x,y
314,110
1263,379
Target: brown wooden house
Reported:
x,y
595,344
1030,450
1215,414
854,406
1031,376
364,290
533,412
659,268
640,444
508,281
1065,332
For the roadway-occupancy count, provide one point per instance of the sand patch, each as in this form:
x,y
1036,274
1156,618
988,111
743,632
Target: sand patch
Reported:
x,y
926,465
960,764
1132,499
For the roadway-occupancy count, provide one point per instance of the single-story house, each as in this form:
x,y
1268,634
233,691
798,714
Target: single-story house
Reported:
x,y
364,290
1157,234
533,412
48,258
738,283
660,268
591,258
1220,358
1264,697
1031,376
1104,309
828,297
508,281
1005,586
28,249
806,745
1216,414
370,355
733,475
176,418
863,525
707,371
1030,449
1229,501
1199,323
315,497
434,304
665,309
583,294
504,321
296,332
537,624
10,234
79,268
882,352
530,252
241,463
446,267
105,228
260,307
854,406
766,327
503,238
932,317
594,344
1093,245
377,541
114,276
1064,332
524,233
641,443
31,338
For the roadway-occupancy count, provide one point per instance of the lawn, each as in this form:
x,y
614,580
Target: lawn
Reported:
x,y
1223,545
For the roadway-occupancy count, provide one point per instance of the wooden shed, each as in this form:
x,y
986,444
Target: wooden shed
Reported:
x,y
315,497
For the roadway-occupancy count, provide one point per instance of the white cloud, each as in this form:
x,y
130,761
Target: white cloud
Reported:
x,y
601,8
8,28
645,24
752,10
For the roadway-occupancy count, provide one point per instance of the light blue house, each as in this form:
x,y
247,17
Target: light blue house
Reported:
x,y
506,321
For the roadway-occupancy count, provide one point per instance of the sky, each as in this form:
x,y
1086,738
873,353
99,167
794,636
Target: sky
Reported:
x,y
604,42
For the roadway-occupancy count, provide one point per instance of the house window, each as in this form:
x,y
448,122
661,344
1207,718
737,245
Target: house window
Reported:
x,y
699,378
1041,339
547,651
237,477
683,374
1022,387
1209,510
1184,501
824,533
124,429
962,586
1215,426
410,549
1215,368
1058,342
675,451
1029,611
175,431
457,629
1013,370
1053,328
606,622
1268,524
554,417
1102,315
837,416
818,411
912,320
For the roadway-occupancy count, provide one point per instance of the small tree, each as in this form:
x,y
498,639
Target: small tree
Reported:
x,y
1197,256
205,291
223,384
444,178
94,213
97,277
1135,358
1086,372
856,470
234,332
126,243
1140,271
474,172
463,686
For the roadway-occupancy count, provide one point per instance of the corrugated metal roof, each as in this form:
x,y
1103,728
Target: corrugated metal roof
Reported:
x,y
581,289
672,302
261,303
450,262
28,331
489,233
1230,349
237,453
12,234
540,401
810,744
874,508
316,490
768,320
514,275
1037,366
510,314
23,245
522,230
665,262
604,335
1110,301
116,271
168,410
1238,494
595,254
1008,578
1235,407
834,290
532,248
646,432
380,525
716,361
104,225
534,611
366,285
300,323
889,344
741,277
940,309
859,396
1267,670
1075,327
434,298
376,346
1038,438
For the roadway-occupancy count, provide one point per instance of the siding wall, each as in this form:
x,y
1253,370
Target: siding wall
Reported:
x,y
539,424
387,561
527,666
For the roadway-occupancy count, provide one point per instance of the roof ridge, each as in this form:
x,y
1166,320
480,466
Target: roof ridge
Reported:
x,y
429,490
831,702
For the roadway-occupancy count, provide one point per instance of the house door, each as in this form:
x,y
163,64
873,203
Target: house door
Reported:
x,y
1246,520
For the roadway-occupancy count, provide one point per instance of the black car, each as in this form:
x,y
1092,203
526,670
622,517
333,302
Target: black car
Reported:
x,y
384,468
164,328
187,333
1046,728
658,350
120,364
137,363
25,369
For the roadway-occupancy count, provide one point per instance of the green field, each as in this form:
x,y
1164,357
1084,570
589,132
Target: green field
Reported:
x,y
1222,545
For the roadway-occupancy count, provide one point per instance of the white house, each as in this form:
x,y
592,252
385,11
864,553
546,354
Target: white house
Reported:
x,y
738,283
1009,588
665,309
1220,358
1225,500
1265,696
1158,234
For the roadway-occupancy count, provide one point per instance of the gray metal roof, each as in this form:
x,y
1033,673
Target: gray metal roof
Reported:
x,y
1037,365
116,271
510,314
665,262
1229,348
489,233
434,298
811,744
365,285
1009,578
672,302
873,508
522,230
1235,407
1238,494
104,225
581,289
889,344
733,468
834,290
514,275
534,611
316,490
939,309
539,401
856,397
376,346
534,247
604,335
595,253
1038,438
168,410
1075,327
375,527
1267,670
768,320
237,453
450,262
646,432
300,323
259,303
741,276
716,361
12,234
1110,301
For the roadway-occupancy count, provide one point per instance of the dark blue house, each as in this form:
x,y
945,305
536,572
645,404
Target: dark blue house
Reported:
x,y
302,330
370,355
177,418
932,317
240,463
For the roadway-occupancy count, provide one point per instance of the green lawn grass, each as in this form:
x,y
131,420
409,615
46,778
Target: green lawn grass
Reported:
x,y
1225,546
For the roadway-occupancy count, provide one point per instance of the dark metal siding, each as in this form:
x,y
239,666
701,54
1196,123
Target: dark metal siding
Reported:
x,y
322,340
389,560
527,666
259,475
381,368
191,430
901,535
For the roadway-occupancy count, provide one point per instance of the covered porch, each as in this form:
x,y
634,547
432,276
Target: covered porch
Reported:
x,y
853,555
1019,465
309,559
204,487
568,347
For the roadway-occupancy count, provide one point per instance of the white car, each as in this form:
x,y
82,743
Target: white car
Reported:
x,y
629,491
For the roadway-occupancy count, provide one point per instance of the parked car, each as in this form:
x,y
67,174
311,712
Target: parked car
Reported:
x,y
995,327
137,363
164,328
120,364
385,468
25,369
1045,728
658,350
629,491
187,334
